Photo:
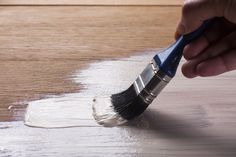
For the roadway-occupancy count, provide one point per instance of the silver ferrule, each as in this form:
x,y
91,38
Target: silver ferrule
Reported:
x,y
150,82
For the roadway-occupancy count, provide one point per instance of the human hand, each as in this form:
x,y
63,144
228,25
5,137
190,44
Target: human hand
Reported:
x,y
215,51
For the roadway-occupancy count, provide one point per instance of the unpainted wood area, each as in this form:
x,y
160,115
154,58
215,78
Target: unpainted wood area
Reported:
x,y
91,2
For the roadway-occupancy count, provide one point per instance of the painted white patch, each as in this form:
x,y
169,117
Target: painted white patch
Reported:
x,y
104,113
100,80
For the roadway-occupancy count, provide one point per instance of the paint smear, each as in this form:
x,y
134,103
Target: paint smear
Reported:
x,y
100,80
104,114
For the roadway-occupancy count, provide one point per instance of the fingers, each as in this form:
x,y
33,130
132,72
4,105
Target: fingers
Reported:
x,y
194,12
217,65
189,69
195,48
219,29
210,54
209,61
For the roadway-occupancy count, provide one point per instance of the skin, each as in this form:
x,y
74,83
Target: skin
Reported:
x,y
214,52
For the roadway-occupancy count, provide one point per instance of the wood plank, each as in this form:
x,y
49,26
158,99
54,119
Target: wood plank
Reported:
x,y
90,2
168,136
42,46
190,118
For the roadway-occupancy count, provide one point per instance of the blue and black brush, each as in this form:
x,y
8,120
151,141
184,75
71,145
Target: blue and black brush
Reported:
x,y
158,73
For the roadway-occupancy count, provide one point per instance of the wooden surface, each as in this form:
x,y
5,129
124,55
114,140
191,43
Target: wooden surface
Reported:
x,y
43,47
90,2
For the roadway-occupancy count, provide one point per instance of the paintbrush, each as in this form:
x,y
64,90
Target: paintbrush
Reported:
x,y
157,74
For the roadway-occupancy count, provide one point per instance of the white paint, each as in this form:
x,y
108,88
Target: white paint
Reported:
x,y
104,114
100,80
104,78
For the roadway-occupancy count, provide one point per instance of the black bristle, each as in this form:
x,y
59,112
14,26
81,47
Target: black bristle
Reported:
x,y
128,104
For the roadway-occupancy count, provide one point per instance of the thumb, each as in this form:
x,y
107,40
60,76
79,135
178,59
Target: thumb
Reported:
x,y
194,12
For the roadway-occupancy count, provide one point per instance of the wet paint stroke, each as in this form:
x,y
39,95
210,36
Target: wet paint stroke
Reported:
x,y
100,80
105,114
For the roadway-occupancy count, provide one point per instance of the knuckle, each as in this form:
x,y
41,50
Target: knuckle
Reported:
x,y
191,6
187,7
229,10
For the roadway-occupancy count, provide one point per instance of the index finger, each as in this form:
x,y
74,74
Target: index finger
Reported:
x,y
194,12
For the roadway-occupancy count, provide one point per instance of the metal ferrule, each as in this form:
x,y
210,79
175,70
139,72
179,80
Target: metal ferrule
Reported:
x,y
150,82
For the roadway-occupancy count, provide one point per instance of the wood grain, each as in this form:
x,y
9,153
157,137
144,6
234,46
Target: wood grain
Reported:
x,y
90,2
190,118
41,46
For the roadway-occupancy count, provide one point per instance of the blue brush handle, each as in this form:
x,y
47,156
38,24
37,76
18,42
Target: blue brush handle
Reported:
x,y
169,59
195,34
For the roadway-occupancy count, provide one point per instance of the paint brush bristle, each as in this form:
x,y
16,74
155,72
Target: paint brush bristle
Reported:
x,y
128,104
133,101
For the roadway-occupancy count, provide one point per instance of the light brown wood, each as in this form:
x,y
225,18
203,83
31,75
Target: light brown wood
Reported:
x,y
42,48
90,2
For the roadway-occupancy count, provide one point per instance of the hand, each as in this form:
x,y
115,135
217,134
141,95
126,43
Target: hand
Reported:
x,y
215,51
